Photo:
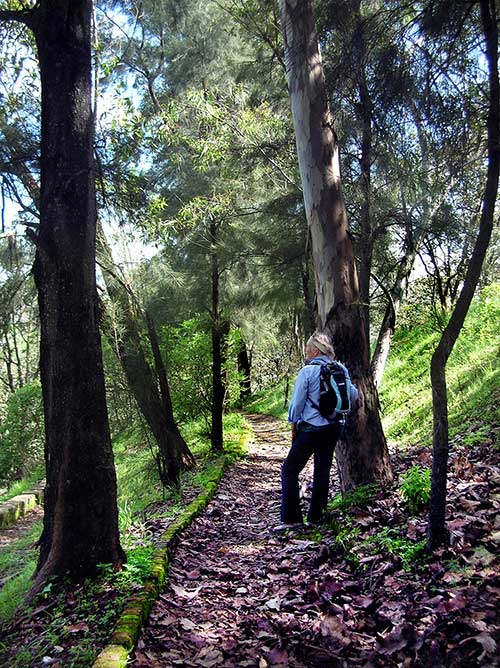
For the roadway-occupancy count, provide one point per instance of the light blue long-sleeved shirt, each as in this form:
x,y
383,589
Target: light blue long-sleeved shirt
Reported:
x,y
304,405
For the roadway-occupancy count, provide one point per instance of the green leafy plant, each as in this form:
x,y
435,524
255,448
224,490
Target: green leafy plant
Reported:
x,y
21,433
359,498
189,365
413,554
477,436
345,536
416,488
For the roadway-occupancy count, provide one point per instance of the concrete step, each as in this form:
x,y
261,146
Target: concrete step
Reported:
x,y
17,506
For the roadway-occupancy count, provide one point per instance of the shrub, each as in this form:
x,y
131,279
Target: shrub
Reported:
x,y
189,361
22,433
413,554
416,488
359,498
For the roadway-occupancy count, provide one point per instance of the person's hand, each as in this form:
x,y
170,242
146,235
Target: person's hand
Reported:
x,y
294,431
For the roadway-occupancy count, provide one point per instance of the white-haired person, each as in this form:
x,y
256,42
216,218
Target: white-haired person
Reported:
x,y
312,434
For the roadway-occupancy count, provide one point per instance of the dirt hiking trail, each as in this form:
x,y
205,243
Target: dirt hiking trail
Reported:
x,y
239,595
230,594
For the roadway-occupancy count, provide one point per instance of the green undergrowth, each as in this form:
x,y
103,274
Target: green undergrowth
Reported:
x,y
354,541
359,497
82,616
415,488
473,379
24,485
139,487
17,563
271,400
413,554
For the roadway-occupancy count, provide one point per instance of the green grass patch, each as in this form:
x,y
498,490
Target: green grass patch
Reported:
x,y
473,377
271,401
17,564
413,554
24,485
359,498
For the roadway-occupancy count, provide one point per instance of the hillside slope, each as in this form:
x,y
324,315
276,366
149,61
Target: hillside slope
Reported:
x,y
473,376
473,379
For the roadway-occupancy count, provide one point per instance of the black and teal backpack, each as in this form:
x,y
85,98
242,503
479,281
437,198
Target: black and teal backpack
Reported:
x,y
335,391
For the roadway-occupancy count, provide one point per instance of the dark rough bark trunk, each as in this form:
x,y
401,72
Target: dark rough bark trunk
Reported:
x,y
175,439
156,409
437,506
245,369
218,390
81,518
365,458
161,371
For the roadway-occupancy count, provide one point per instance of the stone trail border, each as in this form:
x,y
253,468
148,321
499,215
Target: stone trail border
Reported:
x,y
17,506
138,608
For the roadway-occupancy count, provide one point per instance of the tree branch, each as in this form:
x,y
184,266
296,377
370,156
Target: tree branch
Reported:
x,y
20,15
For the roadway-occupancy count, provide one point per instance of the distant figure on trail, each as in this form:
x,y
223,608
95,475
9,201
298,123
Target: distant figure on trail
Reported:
x,y
312,432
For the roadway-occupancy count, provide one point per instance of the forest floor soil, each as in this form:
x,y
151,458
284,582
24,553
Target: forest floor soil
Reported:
x,y
357,592
21,527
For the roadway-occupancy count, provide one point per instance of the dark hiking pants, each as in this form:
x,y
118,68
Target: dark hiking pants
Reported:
x,y
321,444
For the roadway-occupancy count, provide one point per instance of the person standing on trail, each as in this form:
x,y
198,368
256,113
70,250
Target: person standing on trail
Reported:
x,y
312,434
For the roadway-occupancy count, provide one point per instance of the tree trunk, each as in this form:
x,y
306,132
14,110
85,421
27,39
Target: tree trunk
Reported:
x,y
310,317
177,442
157,410
7,356
366,458
245,369
218,391
413,241
81,518
388,326
386,332
365,117
437,506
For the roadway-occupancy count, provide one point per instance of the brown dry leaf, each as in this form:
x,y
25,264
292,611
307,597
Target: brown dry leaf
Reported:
x,y
77,628
393,642
488,644
363,601
184,593
486,641
278,657
332,627
273,603
187,624
209,657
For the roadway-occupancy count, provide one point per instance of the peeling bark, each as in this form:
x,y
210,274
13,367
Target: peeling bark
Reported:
x,y
365,457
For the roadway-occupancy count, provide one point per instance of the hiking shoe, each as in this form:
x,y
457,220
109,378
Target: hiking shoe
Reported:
x,y
294,526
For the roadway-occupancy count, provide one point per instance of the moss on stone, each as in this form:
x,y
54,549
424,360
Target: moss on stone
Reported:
x,y
14,508
140,604
112,656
